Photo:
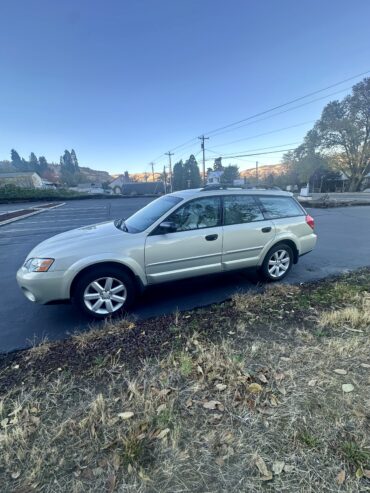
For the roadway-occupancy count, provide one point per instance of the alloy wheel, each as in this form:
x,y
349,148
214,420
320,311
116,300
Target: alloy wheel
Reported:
x,y
105,295
278,263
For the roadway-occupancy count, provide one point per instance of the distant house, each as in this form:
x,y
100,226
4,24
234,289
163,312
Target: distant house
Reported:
x,y
119,186
214,177
22,179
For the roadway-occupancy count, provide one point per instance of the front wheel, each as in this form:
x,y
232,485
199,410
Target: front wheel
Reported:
x,y
104,292
277,263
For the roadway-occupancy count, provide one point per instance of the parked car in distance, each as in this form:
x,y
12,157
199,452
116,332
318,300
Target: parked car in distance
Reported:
x,y
103,267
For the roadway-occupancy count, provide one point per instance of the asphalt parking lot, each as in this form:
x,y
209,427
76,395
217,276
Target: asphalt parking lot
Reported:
x,y
344,244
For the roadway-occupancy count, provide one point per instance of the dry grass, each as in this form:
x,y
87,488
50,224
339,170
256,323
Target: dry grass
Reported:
x,y
347,318
245,413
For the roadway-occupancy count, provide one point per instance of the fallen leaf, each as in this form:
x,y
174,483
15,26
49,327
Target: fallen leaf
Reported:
x,y
339,371
288,468
164,392
312,383
359,473
220,386
365,365
211,404
278,466
4,422
255,388
16,474
126,415
366,473
341,477
163,433
161,408
189,403
261,465
220,461
279,376
262,378
143,476
347,387
273,400
266,475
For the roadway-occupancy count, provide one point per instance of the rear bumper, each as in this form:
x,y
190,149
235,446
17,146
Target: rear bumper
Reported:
x,y
42,287
307,244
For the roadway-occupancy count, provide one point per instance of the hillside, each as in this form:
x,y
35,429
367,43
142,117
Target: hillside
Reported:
x,y
263,171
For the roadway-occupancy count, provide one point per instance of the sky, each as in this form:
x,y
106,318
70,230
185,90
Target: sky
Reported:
x,y
122,82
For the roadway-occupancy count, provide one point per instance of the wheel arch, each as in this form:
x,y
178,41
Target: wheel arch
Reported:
x,y
117,265
290,243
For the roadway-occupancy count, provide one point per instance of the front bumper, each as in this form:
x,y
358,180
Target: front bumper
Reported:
x,y
42,287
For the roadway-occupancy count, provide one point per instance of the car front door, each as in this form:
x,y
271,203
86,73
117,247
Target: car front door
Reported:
x,y
193,248
246,232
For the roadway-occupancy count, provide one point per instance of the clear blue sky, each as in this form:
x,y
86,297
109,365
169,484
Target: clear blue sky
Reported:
x,y
124,81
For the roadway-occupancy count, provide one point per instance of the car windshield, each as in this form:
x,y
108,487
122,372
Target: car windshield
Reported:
x,y
149,214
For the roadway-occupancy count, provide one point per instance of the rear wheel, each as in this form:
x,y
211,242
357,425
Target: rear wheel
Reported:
x,y
104,292
277,263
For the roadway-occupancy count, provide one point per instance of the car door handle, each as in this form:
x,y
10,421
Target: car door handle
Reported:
x,y
266,230
211,237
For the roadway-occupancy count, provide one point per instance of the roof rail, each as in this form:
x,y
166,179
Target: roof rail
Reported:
x,y
225,186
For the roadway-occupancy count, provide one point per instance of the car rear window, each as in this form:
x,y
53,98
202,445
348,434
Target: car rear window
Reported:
x,y
239,209
277,207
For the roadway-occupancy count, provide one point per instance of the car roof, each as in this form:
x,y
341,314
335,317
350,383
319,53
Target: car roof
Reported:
x,y
204,192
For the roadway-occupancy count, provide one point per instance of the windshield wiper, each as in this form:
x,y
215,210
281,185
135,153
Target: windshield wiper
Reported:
x,y
120,224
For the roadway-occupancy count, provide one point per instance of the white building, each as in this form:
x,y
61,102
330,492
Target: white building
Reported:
x,y
22,179
214,177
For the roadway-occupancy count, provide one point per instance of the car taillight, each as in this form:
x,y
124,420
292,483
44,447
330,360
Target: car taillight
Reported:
x,y
310,221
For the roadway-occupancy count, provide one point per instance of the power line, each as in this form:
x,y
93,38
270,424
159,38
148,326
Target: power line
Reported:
x,y
264,133
287,103
258,149
284,111
253,154
231,126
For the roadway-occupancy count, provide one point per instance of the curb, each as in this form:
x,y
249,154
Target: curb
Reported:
x,y
38,211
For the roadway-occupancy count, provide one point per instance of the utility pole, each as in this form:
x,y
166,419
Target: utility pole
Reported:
x,y
202,138
257,172
165,179
152,165
169,154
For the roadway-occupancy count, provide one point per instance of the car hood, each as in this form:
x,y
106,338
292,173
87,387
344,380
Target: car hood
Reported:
x,y
86,236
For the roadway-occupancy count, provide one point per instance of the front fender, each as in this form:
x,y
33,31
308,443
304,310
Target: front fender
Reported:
x,y
81,264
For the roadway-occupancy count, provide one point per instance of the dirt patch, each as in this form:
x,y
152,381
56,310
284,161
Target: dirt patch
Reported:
x,y
12,215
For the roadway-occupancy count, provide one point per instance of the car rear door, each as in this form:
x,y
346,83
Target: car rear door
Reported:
x,y
246,231
193,249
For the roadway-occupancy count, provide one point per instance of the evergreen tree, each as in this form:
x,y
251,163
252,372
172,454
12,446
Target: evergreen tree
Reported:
x,y
230,173
16,160
179,176
43,165
69,173
33,163
74,161
191,173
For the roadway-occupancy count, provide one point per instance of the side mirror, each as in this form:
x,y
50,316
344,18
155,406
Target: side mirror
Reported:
x,y
167,227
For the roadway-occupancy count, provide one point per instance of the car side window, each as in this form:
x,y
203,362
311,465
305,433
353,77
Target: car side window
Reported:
x,y
278,207
239,209
197,214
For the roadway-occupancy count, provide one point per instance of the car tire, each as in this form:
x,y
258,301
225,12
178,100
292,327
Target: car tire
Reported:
x,y
277,263
104,292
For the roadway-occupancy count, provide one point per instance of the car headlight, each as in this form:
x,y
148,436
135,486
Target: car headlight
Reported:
x,y
38,264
